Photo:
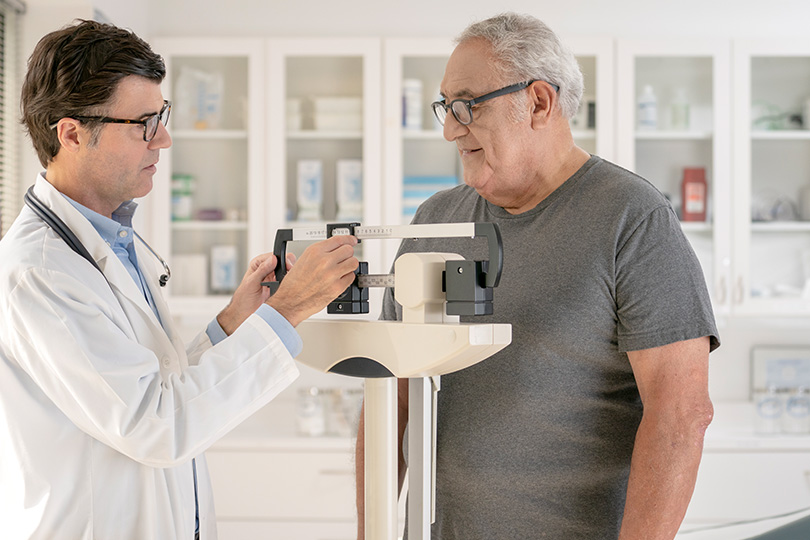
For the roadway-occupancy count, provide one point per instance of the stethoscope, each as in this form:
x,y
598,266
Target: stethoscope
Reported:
x,y
64,232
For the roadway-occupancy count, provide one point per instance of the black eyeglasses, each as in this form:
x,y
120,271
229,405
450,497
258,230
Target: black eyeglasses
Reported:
x,y
462,108
150,123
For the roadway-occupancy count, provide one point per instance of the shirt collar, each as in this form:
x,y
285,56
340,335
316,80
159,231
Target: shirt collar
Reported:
x,y
110,229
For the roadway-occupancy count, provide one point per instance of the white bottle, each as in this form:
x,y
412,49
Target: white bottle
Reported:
x,y
647,111
679,109
412,104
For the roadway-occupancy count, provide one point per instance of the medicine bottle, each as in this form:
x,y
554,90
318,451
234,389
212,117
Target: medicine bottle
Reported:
x,y
693,194
647,110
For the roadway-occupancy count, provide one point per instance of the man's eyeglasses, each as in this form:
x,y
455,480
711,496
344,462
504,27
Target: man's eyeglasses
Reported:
x,y
150,123
462,108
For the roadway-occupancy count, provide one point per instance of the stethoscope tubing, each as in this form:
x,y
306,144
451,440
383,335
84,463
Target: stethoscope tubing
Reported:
x,y
64,232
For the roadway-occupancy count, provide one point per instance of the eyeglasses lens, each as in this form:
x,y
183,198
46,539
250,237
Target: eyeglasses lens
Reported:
x,y
439,111
462,112
152,122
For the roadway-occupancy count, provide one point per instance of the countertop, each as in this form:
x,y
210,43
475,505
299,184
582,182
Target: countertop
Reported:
x,y
733,430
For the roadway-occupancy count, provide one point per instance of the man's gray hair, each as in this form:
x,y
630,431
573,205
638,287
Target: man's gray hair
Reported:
x,y
528,49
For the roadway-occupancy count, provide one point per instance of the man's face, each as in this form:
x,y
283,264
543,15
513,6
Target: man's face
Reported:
x,y
495,148
120,165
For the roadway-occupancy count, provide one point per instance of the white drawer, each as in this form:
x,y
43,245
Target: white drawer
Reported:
x,y
283,485
749,485
238,530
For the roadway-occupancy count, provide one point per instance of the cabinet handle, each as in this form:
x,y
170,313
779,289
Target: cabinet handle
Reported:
x,y
739,291
336,472
721,291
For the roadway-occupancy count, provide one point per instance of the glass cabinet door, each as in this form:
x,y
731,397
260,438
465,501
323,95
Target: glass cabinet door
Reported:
x,y
673,129
772,146
324,137
208,188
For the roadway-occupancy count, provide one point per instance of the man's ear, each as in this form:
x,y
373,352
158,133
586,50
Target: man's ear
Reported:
x,y
543,98
71,134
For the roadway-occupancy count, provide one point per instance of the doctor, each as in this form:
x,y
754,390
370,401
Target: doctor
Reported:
x,y
104,414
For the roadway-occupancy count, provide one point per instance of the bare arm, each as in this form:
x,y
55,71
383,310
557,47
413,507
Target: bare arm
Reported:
x,y
360,454
673,384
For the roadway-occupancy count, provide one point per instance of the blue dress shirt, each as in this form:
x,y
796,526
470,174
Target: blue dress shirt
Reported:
x,y
120,236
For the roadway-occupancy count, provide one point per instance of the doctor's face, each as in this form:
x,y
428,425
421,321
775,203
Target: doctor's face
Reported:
x,y
119,166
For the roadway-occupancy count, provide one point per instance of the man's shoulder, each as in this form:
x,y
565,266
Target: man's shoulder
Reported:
x,y
610,182
447,203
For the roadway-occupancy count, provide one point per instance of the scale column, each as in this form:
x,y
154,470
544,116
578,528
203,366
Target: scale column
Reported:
x,y
381,458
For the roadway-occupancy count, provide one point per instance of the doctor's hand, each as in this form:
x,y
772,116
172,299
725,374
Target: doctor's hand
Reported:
x,y
323,271
250,294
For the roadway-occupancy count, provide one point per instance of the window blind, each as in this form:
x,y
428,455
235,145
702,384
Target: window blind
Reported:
x,y
10,199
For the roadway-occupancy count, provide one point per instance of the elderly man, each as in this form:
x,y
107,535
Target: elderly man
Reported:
x,y
590,424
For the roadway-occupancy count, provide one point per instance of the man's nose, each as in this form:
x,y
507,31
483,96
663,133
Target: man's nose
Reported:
x,y
453,129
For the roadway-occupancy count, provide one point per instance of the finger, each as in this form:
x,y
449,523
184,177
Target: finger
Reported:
x,y
265,266
261,260
336,242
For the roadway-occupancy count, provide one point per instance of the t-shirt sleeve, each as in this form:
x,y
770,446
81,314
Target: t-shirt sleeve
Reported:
x,y
661,292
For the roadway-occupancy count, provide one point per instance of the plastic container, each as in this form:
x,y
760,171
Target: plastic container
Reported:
x,y
768,410
310,189
694,193
310,417
796,419
182,196
679,111
412,108
349,189
647,110
223,268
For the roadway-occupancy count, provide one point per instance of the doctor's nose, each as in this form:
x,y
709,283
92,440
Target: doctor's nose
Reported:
x,y
162,139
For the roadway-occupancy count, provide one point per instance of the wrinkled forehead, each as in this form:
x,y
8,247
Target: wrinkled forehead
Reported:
x,y
470,71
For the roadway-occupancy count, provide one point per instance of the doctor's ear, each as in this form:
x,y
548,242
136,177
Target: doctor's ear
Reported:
x,y
71,134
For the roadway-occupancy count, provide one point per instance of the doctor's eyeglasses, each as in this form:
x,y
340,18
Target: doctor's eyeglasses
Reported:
x,y
150,123
462,108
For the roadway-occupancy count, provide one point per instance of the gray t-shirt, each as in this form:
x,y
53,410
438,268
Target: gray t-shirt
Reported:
x,y
535,442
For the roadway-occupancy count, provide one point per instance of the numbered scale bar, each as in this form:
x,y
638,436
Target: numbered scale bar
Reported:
x,y
425,230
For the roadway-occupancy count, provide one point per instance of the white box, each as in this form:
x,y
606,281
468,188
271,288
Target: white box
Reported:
x,y
223,268
349,189
343,121
190,275
338,105
310,189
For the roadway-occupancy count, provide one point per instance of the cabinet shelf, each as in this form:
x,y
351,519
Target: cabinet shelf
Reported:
x,y
315,135
781,226
209,134
673,135
696,226
584,134
201,225
432,134
781,135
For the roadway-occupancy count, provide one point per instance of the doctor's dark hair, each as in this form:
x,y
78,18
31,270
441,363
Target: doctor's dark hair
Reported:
x,y
525,48
75,72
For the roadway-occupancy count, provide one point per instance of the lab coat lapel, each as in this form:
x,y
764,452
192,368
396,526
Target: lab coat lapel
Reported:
x,y
150,268
124,287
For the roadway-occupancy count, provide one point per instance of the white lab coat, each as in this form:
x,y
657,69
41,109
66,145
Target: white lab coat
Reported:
x,y
101,409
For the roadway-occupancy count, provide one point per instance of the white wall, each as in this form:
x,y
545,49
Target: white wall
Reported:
x,y
429,18
627,18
